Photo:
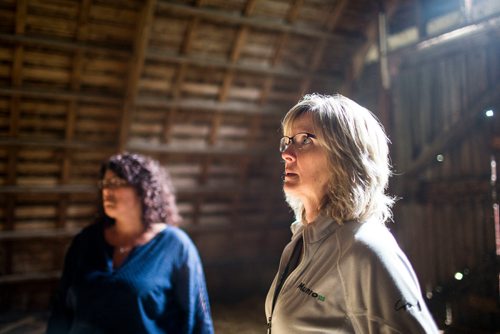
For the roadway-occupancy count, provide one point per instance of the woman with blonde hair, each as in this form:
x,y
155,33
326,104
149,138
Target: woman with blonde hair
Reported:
x,y
342,271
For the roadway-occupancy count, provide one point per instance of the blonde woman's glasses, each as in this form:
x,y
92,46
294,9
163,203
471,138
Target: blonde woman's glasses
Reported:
x,y
300,140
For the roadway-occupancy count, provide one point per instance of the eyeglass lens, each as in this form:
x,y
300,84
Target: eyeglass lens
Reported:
x,y
112,183
300,139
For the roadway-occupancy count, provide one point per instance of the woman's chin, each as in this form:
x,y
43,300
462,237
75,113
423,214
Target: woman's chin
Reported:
x,y
110,212
290,188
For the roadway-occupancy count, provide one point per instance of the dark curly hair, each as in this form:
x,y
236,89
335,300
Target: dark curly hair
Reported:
x,y
152,183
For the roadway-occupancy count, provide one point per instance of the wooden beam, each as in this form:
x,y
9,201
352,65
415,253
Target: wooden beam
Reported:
x,y
249,7
15,110
92,189
15,101
238,45
278,51
278,54
227,81
189,34
81,34
11,200
66,45
254,22
203,177
456,133
294,10
358,60
68,136
70,233
17,66
266,90
207,61
169,118
239,42
420,19
56,189
75,83
168,122
21,9
148,101
161,55
480,27
18,142
177,149
10,207
145,147
136,65
321,45
62,95
156,102
226,85
208,105
214,128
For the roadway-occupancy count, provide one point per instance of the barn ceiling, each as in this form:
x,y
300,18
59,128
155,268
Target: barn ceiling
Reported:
x,y
199,85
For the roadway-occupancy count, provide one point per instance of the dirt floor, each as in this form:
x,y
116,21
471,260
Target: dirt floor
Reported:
x,y
245,317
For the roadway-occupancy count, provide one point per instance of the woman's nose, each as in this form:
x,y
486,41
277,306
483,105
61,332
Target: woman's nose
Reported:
x,y
288,155
105,191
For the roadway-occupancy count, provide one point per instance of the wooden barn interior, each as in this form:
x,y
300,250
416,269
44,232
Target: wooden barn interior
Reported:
x,y
202,85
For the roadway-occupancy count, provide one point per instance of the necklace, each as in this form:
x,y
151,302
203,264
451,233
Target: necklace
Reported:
x,y
123,250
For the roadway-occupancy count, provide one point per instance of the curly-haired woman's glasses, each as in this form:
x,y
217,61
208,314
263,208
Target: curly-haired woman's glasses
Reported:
x,y
112,183
300,140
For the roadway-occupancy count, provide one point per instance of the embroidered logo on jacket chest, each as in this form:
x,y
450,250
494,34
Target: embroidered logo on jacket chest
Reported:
x,y
302,287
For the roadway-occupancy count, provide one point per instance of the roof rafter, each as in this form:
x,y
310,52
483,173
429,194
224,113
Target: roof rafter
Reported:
x,y
278,52
218,16
332,23
137,63
67,45
185,48
221,63
152,54
358,60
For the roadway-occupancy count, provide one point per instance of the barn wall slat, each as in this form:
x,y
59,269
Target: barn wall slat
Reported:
x,y
203,86
433,93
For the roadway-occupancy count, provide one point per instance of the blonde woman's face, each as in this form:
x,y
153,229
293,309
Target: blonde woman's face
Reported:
x,y
306,168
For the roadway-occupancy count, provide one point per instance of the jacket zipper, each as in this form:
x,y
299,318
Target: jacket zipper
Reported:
x,y
269,320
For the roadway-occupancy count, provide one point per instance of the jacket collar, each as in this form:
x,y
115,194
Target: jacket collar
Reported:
x,y
322,227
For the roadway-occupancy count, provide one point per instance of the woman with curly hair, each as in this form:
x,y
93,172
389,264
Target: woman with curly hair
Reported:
x,y
133,270
343,271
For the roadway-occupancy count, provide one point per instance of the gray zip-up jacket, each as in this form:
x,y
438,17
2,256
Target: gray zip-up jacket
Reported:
x,y
352,278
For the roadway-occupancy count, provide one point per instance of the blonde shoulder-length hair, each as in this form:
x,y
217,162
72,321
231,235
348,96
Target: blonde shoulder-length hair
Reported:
x,y
358,154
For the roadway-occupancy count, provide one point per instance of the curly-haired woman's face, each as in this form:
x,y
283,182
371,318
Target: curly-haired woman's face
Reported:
x,y
119,199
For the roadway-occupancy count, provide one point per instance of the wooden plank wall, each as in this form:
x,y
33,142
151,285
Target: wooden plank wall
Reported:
x,y
76,86
199,85
442,146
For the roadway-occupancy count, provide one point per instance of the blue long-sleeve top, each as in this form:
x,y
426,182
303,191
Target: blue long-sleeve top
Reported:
x,y
160,288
